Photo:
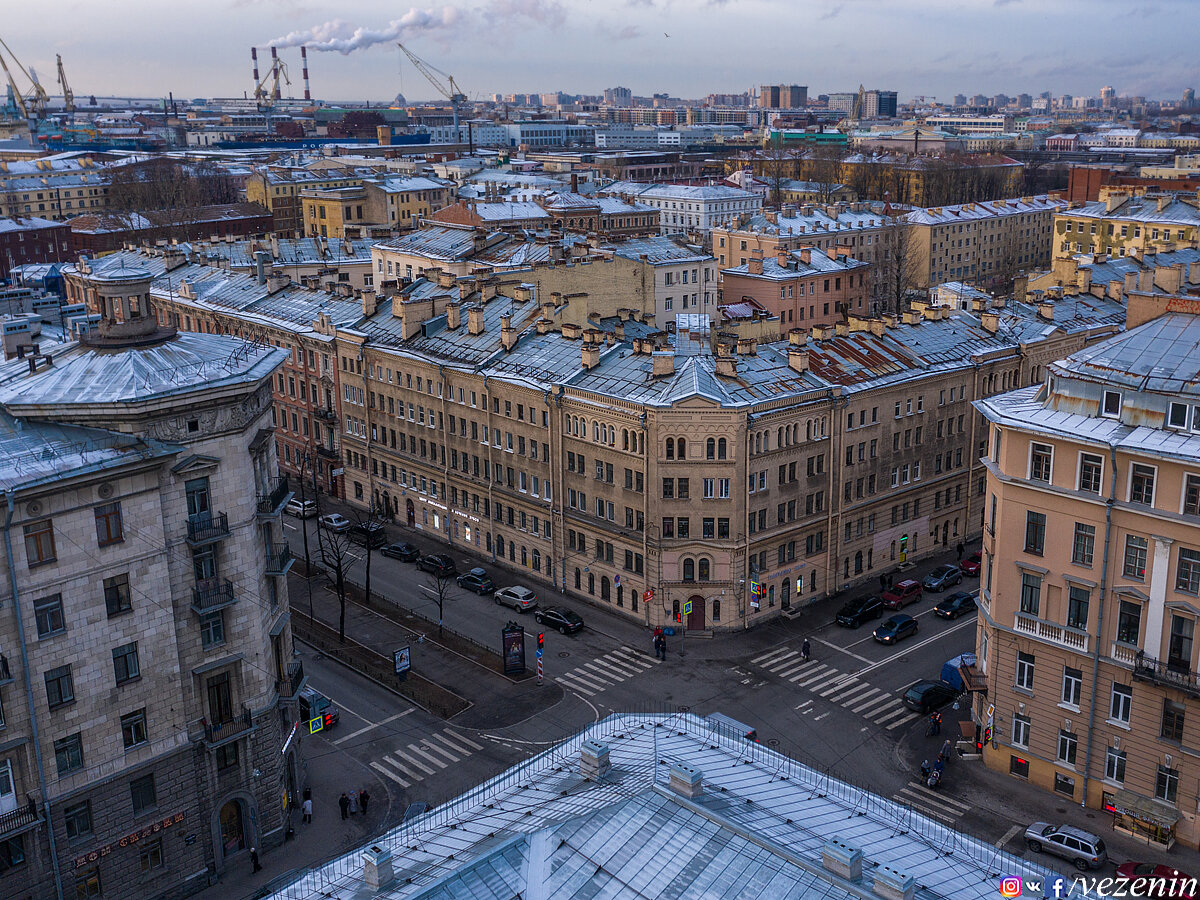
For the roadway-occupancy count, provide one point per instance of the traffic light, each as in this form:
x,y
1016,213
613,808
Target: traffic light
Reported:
x,y
979,746
541,641
678,618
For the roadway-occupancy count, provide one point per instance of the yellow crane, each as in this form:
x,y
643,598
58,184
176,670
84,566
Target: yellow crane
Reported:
x,y
32,102
450,92
68,94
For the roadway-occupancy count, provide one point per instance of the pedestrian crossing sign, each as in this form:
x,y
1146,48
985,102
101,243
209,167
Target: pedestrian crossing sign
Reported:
x,y
317,724
687,608
755,588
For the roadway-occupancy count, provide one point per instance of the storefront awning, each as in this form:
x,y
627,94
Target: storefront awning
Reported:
x,y
1144,808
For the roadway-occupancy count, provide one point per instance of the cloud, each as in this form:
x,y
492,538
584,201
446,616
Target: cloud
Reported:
x,y
1005,2
830,13
342,37
548,12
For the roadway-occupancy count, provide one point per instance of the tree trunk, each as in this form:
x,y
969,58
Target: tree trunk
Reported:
x,y
341,589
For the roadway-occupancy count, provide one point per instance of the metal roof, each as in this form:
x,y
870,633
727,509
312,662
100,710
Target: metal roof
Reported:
x,y
1162,356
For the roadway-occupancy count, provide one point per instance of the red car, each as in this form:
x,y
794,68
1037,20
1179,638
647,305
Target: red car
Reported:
x,y
972,564
905,592
1169,881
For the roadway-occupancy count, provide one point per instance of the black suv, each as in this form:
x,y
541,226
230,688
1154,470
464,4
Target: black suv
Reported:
x,y
369,534
858,611
437,564
476,580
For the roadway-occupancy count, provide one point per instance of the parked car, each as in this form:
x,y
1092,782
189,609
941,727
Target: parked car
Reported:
x,y
476,580
858,611
335,522
957,604
438,564
560,618
301,509
972,564
1169,881
519,598
942,577
403,551
926,696
902,594
313,704
1084,849
369,534
895,629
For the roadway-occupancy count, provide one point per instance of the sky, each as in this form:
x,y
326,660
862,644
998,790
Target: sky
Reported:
x,y
687,48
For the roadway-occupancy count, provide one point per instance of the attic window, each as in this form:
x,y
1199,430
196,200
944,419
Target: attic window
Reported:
x,y
193,426
1178,416
1112,404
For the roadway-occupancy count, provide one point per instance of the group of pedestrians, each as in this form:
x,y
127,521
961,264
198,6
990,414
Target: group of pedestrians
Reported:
x,y
660,644
349,803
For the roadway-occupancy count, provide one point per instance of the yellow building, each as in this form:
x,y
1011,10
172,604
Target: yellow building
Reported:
x,y
278,189
1119,223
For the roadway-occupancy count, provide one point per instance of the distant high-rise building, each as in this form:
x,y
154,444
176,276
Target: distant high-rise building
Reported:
x,y
1189,98
1066,101
782,96
843,100
979,101
1025,101
618,96
960,100
1000,101
879,105
1108,96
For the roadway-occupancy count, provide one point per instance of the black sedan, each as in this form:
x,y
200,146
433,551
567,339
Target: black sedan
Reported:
x,y
404,551
476,580
437,564
858,611
957,604
926,696
559,618
895,629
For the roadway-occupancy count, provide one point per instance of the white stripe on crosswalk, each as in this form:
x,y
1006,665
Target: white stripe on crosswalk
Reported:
x,y
838,685
396,764
918,803
636,656
905,721
601,673
779,662
759,660
592,680
413,748
622,667
920,789
464,739
878,705
792,666
811,675
885,713
437,748
866,700
844,693
442,739
385,771
563,680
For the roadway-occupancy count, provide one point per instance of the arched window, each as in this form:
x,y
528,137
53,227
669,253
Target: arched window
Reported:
x,y
870,553
771,594
489,543
704,569
524,557
578,579
536,559
512,551
858,562
591,583
689,570
716,614
682,449
779,438
710,449
612,436
620,595
846,567
604,587
499,545
670,448
808,430
624,438
722,447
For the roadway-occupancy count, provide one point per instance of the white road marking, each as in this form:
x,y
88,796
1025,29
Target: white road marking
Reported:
x,y
388,773
870,699
563,681
1008,836
820,717
436,748
910,647
759,660
904,721
466,740
420,765
804,704
820,672
367,728
442,739
636,656
841,650
779,662
838,685
403,768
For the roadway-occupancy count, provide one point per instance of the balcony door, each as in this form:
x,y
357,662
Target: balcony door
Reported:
x,y
8,790
220,699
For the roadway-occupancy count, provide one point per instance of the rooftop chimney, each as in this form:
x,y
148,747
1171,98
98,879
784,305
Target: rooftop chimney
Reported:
x,y
474,319
370,302
842,860
782,257
798,359
991,322
508,334
262,259
755,264
726,366
453,315
1046,311
377,867
664,363
892,884
686,781
797,337
590,355
593,760
277,281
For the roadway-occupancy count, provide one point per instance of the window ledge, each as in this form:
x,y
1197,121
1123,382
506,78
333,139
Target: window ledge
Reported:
x,y
1017,689
1068,707
1117,723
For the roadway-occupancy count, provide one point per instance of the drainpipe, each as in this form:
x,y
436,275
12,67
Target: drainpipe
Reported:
x,y
487,412
443,389
33,722
1108,507
646,513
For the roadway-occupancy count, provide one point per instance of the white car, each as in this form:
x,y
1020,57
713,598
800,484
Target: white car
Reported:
x,y
301,509
335,522
521,599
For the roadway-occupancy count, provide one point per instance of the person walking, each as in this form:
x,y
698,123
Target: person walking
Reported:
x,y
254,859
354,803
959,550
307,808
805,650
364,798
882,582
344,803
660,647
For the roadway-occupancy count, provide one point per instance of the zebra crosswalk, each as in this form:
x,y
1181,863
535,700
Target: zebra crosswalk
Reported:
x,y
612,668
935,804
406,766
879,706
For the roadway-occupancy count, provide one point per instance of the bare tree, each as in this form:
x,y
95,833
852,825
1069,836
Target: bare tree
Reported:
x,y
1007,263
899,268
440,586
176,191
337,556
823,168
779,165
368,524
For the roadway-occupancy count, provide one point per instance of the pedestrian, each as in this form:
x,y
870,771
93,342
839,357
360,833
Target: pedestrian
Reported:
x,y
307,808
354,803
882,582
344,803
889,578
660,647
364,798
805,650
926,769
959,550
254,859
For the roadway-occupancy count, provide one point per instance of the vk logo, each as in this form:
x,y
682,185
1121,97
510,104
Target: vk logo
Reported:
x,y
1058,888
1033,886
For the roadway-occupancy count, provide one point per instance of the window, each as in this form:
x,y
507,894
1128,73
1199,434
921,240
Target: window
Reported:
x,y
48,613
108,524
60,688
1141,484
1031,593
125,663
1166,784
151,855
1072,686
1114,765
1020,731
116,595
1177,415
39,542
1091,468
1191,495
1078,599
143,794
1068,743
1135,557
1187,575
1025,671
78,819
1112,404
1018,766
1040,457
1129,622
87,884
689,570
212,629
68,754
12,852
1172,720
1121,704
133,729
1084,544
1179,644
1035,532
227,756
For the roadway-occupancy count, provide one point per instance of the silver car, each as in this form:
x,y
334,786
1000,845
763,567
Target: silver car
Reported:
x,y
521,599
1084,849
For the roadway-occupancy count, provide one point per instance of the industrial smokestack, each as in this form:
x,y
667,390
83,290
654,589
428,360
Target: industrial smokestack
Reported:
x,y
254,59
304,65
275,69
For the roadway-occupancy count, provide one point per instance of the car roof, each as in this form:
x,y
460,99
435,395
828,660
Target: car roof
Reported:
x,y
477,571
907,582
519,589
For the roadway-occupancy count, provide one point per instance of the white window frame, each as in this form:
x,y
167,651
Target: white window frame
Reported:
x,y
1079,471
1104,404
1033,445
1129,486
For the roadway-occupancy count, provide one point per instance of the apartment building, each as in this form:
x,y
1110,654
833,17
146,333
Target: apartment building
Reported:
x,y
984,243
278,189
32,240
1091,570
1168,271
401,203
683,278
314,262
684,207
1120,223
146,610
804,287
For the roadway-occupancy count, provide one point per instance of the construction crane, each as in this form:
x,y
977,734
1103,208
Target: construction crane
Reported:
x,y
265,97
451,93
32,103
68,94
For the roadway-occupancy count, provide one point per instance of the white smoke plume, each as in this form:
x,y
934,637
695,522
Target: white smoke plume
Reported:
x,y
342,37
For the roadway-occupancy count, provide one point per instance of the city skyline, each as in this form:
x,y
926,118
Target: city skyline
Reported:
x,y
686,49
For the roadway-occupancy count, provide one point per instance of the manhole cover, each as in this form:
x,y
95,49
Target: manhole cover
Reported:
x,y
563,654
772,742
683,709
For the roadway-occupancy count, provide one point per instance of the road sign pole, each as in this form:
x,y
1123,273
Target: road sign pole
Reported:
x,y
541,642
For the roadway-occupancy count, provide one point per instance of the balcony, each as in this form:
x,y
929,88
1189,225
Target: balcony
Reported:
x,y
1063,635
1168,674
212,595
279,559
207,528
289,688
325,413
270,503
329,452
5,671
18,819
224,732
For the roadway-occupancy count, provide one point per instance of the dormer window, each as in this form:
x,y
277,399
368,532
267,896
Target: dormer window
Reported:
x,y
1112,404
1177,415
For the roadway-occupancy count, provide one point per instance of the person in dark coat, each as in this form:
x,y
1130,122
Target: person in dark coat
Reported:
x,y
364,798
344,805
882,582
959,550
254,859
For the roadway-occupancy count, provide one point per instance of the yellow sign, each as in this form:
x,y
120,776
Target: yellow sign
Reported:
x,y
315,725
687,608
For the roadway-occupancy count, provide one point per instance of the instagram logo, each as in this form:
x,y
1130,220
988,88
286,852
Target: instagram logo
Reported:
x,y
1010,887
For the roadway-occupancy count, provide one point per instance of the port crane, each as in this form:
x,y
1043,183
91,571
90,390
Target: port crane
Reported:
x,y
33,102
68,94
264,95
449,90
